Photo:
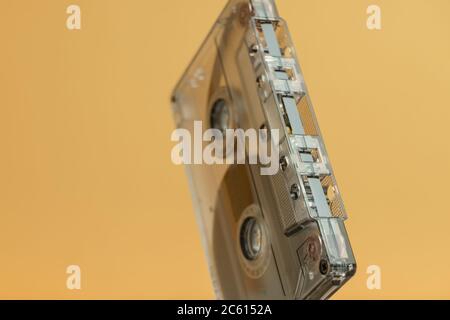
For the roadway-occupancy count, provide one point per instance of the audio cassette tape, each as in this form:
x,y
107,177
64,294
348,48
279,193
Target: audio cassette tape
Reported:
x,y
268,234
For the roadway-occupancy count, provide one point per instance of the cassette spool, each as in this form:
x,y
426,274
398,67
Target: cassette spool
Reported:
x,y
278,236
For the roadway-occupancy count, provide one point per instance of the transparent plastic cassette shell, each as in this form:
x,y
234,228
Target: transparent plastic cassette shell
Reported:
x,y
248,66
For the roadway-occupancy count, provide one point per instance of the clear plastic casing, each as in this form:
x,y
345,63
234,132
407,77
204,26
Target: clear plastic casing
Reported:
x,y
266,237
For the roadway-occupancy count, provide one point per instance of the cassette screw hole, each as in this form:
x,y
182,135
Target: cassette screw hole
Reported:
x,y
295,192
261,81
323,267
284,163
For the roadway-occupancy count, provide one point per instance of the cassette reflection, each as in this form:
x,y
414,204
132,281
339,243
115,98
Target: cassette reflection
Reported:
x,y
278,236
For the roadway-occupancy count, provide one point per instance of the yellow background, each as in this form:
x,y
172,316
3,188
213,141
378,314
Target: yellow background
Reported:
x,y
85,123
